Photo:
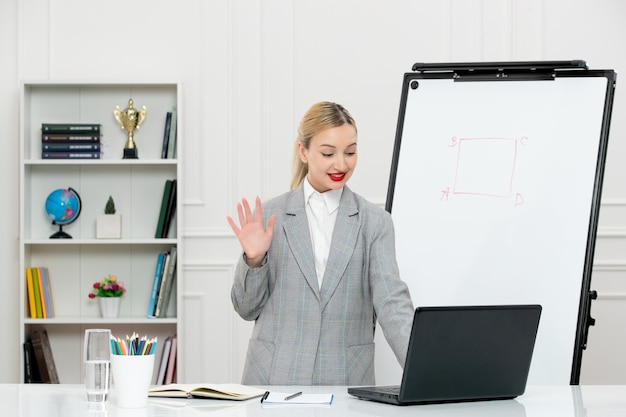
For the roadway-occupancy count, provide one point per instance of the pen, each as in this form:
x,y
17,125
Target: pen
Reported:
x,y
265,396
292,396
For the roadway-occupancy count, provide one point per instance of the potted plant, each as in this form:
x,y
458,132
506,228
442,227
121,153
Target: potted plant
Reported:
x,y
109,224
109,292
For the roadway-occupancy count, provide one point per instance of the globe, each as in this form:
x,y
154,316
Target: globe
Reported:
x,y
63,207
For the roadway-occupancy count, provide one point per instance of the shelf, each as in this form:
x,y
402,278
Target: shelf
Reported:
x,y
91,242
96,162
98,320
136,186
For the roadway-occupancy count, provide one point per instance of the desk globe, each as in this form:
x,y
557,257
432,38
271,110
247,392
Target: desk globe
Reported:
x,y
63,207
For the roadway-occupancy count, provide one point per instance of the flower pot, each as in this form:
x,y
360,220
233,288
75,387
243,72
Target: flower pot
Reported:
x,y
109,226
109,306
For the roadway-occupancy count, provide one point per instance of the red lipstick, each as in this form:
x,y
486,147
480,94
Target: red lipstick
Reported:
x,y
337,177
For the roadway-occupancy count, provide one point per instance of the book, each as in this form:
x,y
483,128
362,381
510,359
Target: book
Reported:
x,y
154,294
70,146
28,370
162,211
40,282
166,134
36,293
71,155
164,357
47,291
43,357
30,290
71,138
159,296
170,211
171,145
171,362
235,392
166,284
31,372
93,128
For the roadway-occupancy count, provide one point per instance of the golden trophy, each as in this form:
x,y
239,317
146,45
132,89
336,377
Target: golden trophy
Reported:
x,y
130,119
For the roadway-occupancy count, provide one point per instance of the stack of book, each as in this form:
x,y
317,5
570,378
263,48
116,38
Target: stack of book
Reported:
x,y
167,367
168,150
39,366
70,140
39,293
162,284
167,210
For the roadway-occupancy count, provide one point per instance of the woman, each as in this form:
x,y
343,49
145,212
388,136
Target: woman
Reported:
x,y
322,271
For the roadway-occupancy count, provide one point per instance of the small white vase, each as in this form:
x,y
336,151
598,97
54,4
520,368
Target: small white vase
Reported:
x,y
109,306
109,226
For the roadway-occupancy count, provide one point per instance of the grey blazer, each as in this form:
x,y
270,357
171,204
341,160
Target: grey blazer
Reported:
x,y
304,335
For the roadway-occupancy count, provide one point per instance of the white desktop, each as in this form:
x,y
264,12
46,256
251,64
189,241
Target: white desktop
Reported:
x,y
45,400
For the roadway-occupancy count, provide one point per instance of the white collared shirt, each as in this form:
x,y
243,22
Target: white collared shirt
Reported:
x,y
321,211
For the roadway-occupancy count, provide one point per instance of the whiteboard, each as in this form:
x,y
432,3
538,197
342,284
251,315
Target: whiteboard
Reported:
x,y
494,194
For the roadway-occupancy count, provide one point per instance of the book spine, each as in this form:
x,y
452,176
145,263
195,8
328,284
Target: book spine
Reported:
x,y
40,282
170,210
164,358
47,291
35,374
155,284
162,211
166,134
171,146
70,155
28,363
70,146
40,360
170,276
171,362
47,351
71,128
72,138
32,307
159,301
36,293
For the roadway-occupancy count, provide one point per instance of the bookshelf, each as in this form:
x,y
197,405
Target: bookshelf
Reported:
x,y
137,188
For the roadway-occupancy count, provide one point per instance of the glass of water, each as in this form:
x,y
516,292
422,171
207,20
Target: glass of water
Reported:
x,y
97,364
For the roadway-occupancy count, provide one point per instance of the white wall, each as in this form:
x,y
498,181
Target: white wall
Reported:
x,y
249,69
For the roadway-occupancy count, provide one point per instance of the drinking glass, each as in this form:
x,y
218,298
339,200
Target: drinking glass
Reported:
x,y
97,364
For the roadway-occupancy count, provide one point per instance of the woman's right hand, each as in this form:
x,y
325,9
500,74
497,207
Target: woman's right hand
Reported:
x,y
255,240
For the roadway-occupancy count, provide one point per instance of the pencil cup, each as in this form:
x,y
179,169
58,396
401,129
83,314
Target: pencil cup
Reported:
x,y
132,375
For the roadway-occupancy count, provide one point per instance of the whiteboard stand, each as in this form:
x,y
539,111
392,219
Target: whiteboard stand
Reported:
x,y
495,192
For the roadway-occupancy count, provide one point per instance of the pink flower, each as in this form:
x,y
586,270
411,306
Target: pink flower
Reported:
x,y
109,286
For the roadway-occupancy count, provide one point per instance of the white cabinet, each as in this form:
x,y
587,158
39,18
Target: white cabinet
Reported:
x,y
136,186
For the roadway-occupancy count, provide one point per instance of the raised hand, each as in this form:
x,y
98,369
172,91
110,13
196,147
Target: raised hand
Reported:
x,y
254,239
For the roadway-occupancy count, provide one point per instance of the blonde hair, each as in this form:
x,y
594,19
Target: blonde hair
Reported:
x,y
320,116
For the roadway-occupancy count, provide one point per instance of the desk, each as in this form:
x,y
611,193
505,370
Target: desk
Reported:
x,y
37,400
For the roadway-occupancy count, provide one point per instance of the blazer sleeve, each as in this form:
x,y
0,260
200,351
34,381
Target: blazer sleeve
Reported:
x,y
391,297
250,289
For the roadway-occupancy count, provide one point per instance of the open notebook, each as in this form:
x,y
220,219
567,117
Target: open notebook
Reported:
x,y
235,392
464,353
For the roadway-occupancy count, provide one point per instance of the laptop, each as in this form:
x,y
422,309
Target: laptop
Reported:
x,y
464,353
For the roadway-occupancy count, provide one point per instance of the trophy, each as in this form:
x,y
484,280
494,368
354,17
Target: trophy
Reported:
x,y
130,119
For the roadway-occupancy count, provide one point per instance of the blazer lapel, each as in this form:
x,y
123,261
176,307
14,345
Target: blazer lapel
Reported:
x,y
342,245
296,227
